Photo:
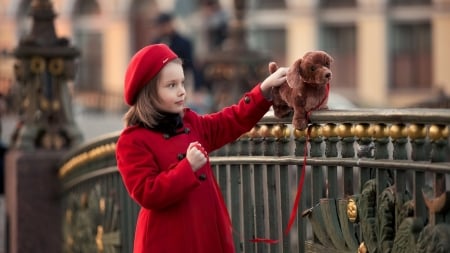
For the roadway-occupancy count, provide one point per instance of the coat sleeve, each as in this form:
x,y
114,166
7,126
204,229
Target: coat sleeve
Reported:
x,y
146,183
231,122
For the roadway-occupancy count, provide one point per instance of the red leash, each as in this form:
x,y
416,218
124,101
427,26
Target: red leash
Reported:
x,y
302,177
305,154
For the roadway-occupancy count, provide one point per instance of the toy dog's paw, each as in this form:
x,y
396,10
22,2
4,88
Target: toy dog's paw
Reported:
x,y
300,124
282,111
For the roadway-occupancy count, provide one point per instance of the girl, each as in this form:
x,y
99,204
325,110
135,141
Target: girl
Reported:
x,y
162,155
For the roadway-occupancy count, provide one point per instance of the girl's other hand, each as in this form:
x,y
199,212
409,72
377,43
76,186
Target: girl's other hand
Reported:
x,y
196,155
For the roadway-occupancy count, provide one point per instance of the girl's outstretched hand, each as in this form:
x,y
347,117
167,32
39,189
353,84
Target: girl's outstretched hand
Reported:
x,y
196,155
273,80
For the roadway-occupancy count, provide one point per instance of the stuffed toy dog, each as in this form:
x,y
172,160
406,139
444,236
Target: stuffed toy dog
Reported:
x,y
306,88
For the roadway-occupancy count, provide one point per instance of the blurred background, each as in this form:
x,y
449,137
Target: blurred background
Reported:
x,y
387,53
392,53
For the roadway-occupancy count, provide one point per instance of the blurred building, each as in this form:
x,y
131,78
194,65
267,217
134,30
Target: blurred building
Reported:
x,y
388,53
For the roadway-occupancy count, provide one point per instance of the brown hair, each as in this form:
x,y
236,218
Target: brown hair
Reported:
x,y
144,111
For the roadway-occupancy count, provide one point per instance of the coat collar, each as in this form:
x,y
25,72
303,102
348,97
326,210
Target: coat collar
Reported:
x,y
169,124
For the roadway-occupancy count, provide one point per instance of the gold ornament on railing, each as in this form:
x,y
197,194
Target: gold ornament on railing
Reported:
x,y
437,132
102,205
300,133
417,131
361,130
254,132
398,131
280,131
86,157
329,130
362,248
345,130
264,131
378,131
315,131
99,239
352,210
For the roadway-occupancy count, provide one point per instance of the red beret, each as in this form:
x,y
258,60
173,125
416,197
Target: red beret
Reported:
x,y
143,67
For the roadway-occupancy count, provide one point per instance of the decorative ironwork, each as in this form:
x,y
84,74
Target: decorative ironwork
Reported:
x,y
384,202
45,63
91,221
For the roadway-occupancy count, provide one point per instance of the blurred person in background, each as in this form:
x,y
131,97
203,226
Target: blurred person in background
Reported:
x,y
167,33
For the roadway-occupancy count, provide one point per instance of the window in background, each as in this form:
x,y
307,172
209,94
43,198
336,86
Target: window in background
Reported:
x,y
269,4
340,42
270,41
337,3
411,56
89,72
86,7
410,2
88,39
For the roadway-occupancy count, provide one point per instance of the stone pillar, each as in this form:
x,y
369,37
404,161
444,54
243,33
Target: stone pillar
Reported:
x,y
372,59
441,42
32,202
302,30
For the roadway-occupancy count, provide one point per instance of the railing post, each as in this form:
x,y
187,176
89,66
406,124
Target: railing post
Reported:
x,y
419,152
247,196
273,189
259,175
403,178
439,153
331,140
305,200
236,193
282,134
347,141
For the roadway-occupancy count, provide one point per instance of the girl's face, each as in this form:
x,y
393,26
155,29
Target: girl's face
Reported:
x,y
170,88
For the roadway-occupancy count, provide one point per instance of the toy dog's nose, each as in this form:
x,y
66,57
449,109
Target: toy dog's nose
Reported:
x,y
328,75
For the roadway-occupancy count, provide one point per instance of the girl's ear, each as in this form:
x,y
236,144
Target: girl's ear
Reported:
x,y
294,74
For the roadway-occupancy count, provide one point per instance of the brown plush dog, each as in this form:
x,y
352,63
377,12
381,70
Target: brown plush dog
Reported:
x,y
306,88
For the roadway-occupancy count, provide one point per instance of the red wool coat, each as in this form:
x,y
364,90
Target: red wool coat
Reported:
x,y
183,211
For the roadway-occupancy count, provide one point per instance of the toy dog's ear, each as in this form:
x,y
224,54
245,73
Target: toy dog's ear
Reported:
x,y
272,67
330,59
294,74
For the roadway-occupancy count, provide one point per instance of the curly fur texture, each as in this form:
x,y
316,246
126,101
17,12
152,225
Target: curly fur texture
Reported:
x,y
305,89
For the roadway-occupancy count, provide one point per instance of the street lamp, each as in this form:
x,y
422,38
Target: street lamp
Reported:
x,y
235,68
45,64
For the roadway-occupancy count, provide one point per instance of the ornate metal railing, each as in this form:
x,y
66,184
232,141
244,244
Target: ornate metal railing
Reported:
x,y
375,180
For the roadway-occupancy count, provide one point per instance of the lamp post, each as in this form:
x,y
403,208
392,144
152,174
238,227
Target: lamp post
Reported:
x,y
46,130
45,64
235,68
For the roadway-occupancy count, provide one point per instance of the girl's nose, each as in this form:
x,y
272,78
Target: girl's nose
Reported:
x,y
181,90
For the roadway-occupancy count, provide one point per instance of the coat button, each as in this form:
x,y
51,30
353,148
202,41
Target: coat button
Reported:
x,y
180,156
202,177
247,99
166,136
187,130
